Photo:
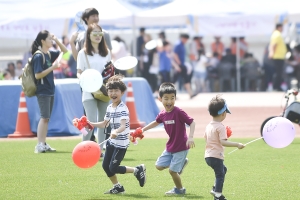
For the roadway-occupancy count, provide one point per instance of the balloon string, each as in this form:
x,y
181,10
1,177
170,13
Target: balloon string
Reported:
x,y
103,141
246,144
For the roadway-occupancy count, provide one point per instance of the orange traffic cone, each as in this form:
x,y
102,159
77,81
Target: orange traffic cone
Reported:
x,y
134,122
23,125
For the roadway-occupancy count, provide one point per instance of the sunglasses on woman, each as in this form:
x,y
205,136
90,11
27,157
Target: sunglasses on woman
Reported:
x,y
97,33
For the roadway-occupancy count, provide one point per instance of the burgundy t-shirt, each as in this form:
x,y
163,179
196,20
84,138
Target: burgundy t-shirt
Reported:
x,y
174,123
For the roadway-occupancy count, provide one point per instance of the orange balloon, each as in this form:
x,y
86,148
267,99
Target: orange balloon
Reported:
x,y
86,154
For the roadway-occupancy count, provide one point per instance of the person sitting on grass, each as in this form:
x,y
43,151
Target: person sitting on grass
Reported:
x,y
174,120
216,137
117,115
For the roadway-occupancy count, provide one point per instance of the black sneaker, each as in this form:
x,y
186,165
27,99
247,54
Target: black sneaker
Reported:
x,y
220,197
141,174
119,189
184,165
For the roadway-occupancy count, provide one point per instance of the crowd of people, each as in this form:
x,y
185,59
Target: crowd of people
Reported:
x,y
191,65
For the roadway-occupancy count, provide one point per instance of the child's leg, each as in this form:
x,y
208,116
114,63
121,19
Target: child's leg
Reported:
x,y
176,179
220,170
163,161
176,165
109,165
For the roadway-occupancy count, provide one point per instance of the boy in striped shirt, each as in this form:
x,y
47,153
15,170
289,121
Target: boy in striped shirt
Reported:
x,y
117,115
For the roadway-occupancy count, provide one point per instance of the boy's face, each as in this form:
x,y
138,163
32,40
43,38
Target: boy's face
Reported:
x,y
168,101
19,65
167,48
92,19
115,95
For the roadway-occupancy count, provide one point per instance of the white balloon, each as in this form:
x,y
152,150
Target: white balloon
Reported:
x,y
126,63
90,80
151,44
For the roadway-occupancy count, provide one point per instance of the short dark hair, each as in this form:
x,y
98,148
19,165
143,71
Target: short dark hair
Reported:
x,y
165,43
5,73
278,25
115,82
166,88
142,30
184,35
88,12
162,34
216,104
11,63
19,62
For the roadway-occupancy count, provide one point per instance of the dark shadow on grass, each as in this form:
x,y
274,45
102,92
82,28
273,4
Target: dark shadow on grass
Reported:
x,y
134,196
59,152
187,196
125,159
137,196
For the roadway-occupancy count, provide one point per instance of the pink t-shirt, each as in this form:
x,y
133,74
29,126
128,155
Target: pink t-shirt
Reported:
x,y
214,132
174,123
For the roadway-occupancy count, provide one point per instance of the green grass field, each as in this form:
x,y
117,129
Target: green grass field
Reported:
x,y
256,172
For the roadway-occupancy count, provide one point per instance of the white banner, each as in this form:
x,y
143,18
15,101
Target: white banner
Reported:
x,y
28,29
236,25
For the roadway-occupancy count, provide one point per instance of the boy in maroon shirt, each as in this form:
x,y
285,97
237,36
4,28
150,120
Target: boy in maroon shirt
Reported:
x,y
174,120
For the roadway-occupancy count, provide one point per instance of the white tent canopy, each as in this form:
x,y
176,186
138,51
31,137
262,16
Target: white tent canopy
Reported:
x,y
23,19
183,12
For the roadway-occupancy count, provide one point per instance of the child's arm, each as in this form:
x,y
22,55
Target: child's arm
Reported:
x,y
149,126
116,132
99,124
227,143
190,142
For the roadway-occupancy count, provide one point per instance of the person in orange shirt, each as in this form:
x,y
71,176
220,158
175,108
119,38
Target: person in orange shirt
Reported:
x,y
217,47
243,46
216,138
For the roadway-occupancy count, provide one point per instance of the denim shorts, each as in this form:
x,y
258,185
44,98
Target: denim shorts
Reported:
x,y
174,161
46,105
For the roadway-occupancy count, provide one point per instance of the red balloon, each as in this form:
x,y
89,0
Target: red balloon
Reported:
x,y
86,154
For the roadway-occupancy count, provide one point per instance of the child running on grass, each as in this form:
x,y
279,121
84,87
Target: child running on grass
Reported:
x,y
117,115
174,120
216,137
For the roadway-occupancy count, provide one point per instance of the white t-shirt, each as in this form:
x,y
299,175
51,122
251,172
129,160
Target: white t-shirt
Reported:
x,y
114,116
96,62
201,64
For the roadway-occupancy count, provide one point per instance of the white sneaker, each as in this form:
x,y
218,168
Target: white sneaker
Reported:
x,y
40,148
48,148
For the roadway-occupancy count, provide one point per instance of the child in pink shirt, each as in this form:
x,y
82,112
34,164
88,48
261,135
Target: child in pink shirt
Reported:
x,y
216,138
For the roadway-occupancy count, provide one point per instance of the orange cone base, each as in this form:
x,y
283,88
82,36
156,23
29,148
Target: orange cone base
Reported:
x,y
135,125
21,135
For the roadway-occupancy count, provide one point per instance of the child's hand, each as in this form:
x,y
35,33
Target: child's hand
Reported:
x,y
240,146
190,143
113,135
